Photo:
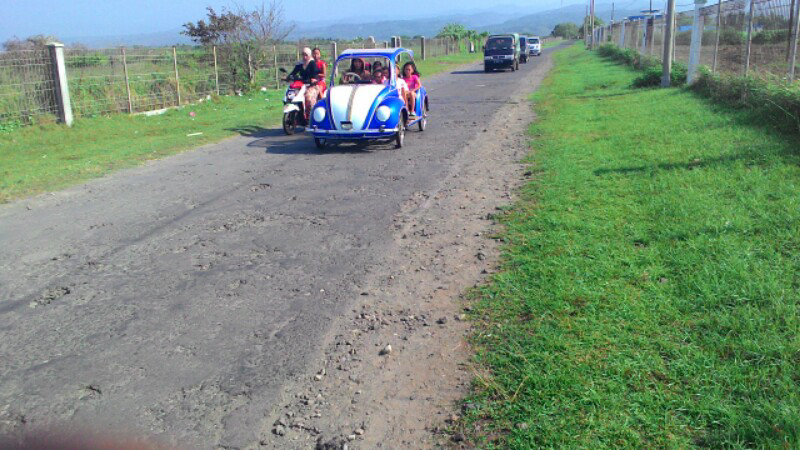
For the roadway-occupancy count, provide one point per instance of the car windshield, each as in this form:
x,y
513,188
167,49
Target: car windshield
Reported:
x,y
361,70
534,41
499,43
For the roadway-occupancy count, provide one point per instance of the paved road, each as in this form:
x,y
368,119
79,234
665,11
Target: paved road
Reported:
x,y
176,299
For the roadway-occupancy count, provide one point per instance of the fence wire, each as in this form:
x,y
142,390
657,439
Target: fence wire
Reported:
x,y
27,86
139,79
725,26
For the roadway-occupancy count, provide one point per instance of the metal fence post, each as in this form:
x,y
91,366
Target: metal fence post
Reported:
x,y
749,37
794,35
127,80
216,70
792,20
177,80
56,51
716,38
275,65
422,47
696,42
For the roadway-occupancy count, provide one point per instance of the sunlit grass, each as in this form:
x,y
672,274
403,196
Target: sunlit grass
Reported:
x,y
649,296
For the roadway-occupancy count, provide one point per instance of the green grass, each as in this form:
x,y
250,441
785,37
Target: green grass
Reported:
x,y
649,295
47,157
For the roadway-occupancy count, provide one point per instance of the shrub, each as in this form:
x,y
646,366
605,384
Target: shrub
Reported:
x,y
773,102
771,37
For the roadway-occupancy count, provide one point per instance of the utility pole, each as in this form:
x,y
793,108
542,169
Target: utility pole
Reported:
x,y
667,58
585,26
591,21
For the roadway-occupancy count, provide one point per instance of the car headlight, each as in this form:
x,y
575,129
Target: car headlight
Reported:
x,y
383,113
319,114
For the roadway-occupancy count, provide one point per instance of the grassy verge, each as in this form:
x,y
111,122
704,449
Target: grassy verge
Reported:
x,y
46,157
649,294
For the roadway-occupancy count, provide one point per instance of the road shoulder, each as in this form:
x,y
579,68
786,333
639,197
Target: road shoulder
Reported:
x,y
394,371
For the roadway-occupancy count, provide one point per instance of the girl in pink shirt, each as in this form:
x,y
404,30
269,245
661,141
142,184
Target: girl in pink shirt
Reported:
x,y
411,77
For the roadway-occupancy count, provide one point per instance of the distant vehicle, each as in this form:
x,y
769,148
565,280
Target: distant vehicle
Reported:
x,y
523,45
357,108
501,51
534,46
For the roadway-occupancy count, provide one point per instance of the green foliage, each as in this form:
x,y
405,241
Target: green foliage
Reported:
x,y
771,37
650,66
566,30
648,293
771,102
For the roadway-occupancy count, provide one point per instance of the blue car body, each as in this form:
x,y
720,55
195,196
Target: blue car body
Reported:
x,y
350,110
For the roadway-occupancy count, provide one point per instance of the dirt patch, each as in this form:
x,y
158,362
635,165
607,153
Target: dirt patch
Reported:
x,y
394,371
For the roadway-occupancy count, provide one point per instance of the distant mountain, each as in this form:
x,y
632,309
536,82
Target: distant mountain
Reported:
x,y
502,18
161,39
542,23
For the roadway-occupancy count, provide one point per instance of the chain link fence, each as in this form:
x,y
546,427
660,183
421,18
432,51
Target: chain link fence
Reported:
x,y
743,37
140,79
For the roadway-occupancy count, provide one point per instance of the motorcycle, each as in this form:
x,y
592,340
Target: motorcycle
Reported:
x,y
294,104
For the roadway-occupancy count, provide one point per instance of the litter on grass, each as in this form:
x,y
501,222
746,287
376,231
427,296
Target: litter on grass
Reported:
x,y
194,134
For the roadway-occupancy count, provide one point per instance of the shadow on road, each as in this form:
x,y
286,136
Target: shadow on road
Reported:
x,y
256,131
466,72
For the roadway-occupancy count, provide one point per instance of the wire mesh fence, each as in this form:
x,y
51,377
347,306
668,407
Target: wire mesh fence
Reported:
x,y
140,79
27,86
742,37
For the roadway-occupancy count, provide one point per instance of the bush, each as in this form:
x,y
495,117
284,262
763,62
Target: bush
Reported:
x,y
771,37
651,76
773,102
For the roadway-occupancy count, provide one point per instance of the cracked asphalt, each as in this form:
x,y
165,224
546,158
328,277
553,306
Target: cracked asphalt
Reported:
x,y
176,300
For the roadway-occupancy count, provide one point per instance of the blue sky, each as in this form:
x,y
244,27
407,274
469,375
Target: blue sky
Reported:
x,y
22,18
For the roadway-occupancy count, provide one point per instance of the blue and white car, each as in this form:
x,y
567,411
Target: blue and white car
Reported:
x,y
355,109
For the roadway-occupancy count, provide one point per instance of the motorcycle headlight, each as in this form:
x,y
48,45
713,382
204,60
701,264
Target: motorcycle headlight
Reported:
x,y
290,95
383,113
319,114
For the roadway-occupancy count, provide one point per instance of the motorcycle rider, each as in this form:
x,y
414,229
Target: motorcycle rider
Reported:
x,y
308,71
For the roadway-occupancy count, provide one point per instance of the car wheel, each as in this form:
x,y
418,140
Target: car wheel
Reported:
x,y
289,122
513,66
320,143
400,137
487,70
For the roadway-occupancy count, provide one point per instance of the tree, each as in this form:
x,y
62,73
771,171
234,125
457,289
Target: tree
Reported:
x,y
452,30
219,29
245,36
34,42
566,30
598,22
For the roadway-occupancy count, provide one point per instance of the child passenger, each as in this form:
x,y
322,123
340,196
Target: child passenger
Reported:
x,y
411,77
377,76
402,88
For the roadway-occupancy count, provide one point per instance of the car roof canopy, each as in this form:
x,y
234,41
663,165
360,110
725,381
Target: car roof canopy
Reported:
x,y
390,53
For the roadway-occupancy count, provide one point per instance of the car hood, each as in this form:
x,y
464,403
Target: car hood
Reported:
x,y
354,103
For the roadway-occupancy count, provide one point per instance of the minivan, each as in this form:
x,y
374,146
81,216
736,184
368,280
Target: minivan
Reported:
x,y
501,51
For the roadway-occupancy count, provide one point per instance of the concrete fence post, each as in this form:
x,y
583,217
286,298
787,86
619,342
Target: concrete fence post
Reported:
x,y
393,41
422,47
56,51
334,51
177,79
622,34
370,42
794,35
127,80
696,42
